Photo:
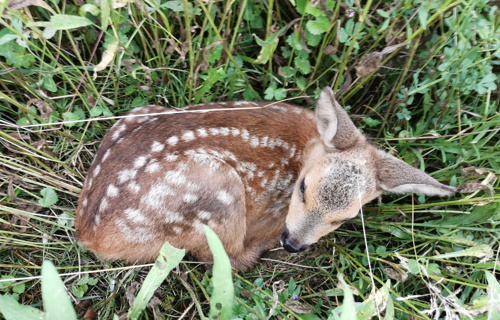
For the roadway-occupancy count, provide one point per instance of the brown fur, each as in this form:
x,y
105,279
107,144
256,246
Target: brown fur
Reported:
x,y
159,178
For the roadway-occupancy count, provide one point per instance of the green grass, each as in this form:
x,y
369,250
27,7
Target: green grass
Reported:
x,y
433,102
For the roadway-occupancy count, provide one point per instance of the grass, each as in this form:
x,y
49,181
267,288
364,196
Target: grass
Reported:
x,y
418,77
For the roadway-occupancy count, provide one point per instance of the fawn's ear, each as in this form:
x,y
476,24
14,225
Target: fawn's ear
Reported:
x,y
337,131
397,176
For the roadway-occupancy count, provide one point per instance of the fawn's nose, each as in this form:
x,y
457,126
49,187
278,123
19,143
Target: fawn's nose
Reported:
x,y
289,244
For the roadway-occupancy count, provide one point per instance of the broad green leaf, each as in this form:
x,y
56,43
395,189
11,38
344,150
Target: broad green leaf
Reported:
x,y
280,94
414,266
68,117
49,197
68,22
269,93
8,37
314,10
19,288
348,307
63,22
493,295
389,311
422,16
96,111
372,122
376,303
266,53
169,258
13,310
49,84
303,64
221,302
90,8
105,13
56,301
480,251
318,26
382,13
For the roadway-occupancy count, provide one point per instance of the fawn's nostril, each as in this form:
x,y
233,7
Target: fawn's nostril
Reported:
x,y
289,244
290,248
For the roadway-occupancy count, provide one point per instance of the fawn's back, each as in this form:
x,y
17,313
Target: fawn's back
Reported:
x,y
159,178
251,175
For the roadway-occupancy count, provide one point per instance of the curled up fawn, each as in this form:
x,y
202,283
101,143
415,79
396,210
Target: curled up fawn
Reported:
x,y
252,175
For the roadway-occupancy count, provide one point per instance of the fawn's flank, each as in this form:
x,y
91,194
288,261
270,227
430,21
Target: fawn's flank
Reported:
x,y
251,175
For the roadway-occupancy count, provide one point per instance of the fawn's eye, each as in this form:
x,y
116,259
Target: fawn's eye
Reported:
x,y
302,189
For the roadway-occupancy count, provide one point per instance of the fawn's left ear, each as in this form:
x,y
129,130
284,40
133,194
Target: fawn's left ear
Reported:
x,y
397,176
336,129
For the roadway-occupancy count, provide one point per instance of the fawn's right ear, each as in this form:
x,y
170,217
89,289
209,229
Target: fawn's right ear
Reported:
x,y
336,129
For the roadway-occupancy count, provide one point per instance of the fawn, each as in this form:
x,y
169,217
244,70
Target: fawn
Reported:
x,y
251,175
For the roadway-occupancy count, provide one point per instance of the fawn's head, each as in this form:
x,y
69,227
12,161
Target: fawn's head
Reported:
x,y
341,172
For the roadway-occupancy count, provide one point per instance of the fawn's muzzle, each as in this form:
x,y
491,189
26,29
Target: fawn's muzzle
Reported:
x,y
289,244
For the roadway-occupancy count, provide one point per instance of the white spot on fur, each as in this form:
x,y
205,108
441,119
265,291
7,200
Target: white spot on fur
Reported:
x,y
97,220
97,170
139,162
278,108
239,103
173,140
175,177
85,202
177,230
172,217
118,131
286,146
224,131
157,147
254,141
106,154
153,166
154,198
126,175
263,142
297,110
245,134
204,215
190,198
135,235
112,191
260,174
134,186
214,131
135,215
188,135
198,226
202,132
293,149
235,132
89,183
263,183
170,157
224,197
203,157
104,204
